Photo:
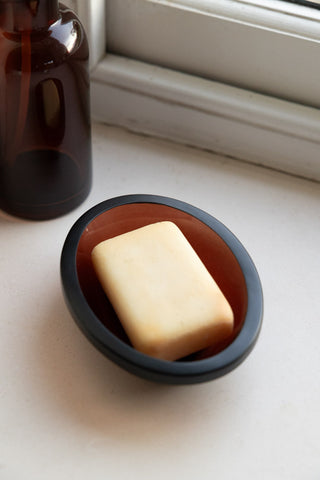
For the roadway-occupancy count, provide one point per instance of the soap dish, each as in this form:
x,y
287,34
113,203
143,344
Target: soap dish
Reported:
x,y
223,255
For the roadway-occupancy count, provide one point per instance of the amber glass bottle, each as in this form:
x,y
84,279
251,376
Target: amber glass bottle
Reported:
x,y
45,135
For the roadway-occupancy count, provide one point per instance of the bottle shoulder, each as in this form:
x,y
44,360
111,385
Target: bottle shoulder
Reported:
x,y
62,41
67,33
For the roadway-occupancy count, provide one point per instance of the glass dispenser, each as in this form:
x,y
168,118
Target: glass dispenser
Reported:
x,y
45,133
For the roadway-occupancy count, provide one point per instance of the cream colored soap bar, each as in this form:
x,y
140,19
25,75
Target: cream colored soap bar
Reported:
x,y
168,303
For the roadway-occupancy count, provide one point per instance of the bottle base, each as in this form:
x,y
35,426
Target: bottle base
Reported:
x,y
43,184
46,212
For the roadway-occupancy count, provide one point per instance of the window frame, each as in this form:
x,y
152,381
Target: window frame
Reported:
x,y
257,47
233,118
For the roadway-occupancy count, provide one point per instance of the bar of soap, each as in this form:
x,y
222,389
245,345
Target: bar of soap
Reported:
x,y
167,301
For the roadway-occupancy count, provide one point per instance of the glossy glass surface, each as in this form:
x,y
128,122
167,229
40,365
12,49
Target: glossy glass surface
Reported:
x,y
45,135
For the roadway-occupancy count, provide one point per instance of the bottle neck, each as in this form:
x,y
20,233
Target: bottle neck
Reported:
x,y
27,15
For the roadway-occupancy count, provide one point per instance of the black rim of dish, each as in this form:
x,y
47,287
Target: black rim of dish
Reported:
x,y
125,355
305,3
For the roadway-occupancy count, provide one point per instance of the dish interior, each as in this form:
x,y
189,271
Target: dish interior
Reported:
x,y
213,251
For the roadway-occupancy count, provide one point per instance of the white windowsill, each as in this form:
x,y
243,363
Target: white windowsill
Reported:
x,y
67,412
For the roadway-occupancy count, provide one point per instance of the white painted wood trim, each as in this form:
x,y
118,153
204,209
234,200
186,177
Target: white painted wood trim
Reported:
x,y
208,115
268,47
276,15
204,113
